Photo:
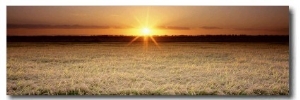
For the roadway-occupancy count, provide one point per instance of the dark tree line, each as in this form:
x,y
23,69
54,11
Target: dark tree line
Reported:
x,y
178,38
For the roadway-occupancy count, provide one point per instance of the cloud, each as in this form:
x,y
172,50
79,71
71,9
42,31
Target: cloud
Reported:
x,y
281,29
122,27
210,27
247,29
43,26
173,27
263,29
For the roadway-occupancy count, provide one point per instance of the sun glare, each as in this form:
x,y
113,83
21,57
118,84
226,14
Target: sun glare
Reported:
x,y
146,31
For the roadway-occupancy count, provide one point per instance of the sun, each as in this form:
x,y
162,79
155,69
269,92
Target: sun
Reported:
x,y
146,31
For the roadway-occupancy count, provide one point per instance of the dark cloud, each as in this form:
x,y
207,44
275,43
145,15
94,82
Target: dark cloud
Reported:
x,y
122,27
281,29
210,27
264,29
247,29
42,26
173,27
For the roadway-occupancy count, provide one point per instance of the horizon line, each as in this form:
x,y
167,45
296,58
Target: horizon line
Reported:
x,y
166,35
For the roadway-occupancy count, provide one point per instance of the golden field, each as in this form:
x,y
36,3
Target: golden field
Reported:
x,y
176,68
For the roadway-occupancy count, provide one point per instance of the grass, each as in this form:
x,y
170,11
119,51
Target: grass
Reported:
x,y
204,68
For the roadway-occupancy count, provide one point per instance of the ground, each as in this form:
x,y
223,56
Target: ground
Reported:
x,y
173,68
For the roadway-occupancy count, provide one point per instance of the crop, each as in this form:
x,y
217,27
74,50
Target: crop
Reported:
x,y
176,68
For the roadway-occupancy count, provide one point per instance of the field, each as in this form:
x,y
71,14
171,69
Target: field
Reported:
x,y
176,68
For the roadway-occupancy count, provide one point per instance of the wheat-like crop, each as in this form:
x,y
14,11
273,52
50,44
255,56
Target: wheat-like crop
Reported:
x,y
215,68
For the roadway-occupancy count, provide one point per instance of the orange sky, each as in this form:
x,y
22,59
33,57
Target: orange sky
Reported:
x,y
162,20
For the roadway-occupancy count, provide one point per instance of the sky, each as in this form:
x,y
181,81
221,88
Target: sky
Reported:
x,y
160,20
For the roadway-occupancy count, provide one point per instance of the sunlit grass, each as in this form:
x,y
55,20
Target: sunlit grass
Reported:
x,y
173,69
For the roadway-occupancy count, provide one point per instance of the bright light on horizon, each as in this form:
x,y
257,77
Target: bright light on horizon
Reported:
x,y
146,31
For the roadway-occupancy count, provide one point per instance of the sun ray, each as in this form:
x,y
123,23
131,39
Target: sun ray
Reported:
x,y
155,42
138,20
147,17
133,40
145,43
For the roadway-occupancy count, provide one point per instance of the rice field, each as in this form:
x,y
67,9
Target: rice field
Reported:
x,y
173,68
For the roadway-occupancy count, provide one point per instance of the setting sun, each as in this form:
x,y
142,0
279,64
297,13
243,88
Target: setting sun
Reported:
x,y
146,31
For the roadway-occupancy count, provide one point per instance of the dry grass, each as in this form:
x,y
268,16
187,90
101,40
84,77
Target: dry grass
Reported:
x,y
175,69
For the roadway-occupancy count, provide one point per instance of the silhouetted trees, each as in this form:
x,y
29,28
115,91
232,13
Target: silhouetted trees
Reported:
x,y
164,38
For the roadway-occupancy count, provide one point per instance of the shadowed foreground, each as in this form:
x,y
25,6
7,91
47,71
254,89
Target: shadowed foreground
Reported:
x,y
204,68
